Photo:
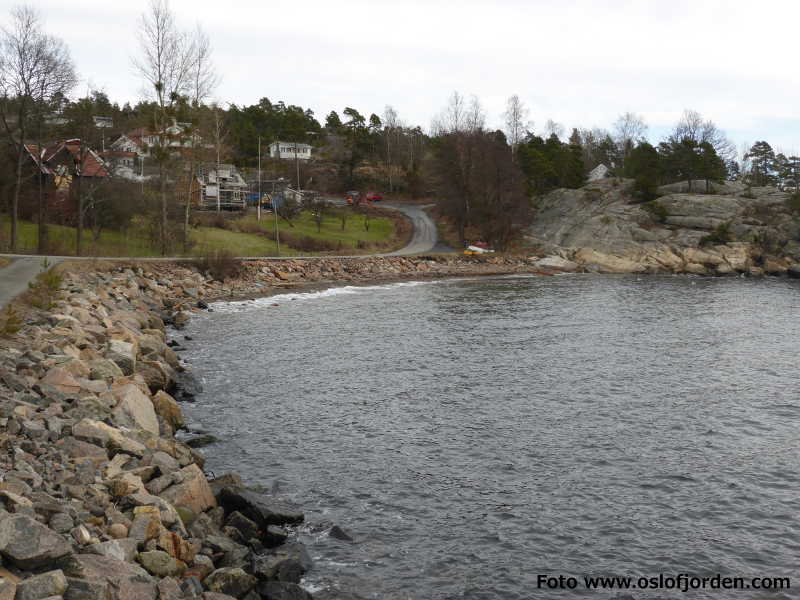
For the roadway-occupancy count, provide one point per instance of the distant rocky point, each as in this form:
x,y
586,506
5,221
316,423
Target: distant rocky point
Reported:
x,y
731,229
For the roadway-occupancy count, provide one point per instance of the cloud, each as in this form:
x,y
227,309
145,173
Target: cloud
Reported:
x,y
577,61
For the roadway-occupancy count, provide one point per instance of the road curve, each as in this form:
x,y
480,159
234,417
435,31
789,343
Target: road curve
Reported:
x,y
425,236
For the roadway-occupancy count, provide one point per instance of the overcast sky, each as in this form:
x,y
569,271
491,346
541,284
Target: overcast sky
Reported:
x,y
579,62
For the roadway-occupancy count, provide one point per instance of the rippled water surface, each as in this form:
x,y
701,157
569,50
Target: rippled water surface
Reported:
x,y
473,434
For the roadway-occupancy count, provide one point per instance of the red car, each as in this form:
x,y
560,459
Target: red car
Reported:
x,y
374,197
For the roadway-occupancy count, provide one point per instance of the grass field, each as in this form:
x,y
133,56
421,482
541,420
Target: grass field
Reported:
x,y
244,241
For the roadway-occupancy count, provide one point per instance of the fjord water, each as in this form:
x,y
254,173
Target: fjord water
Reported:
x,y
473,434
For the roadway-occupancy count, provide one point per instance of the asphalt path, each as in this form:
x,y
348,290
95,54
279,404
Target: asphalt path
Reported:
x,y
15,277
23,268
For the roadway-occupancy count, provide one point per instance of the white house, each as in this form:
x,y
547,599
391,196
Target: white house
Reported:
x,y
290,150
142,139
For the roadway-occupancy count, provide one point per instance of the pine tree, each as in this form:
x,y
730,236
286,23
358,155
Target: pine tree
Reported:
x,y
762,157
644,166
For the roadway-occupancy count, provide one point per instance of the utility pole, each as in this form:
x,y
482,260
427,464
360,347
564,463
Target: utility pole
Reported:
x,y
275,212
258,202
297,164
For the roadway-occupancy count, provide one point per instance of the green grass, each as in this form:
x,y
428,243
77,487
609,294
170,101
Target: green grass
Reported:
x,y
209,239
381,229
134,242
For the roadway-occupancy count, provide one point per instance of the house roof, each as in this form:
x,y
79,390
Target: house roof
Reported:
x,y
298,144
46,156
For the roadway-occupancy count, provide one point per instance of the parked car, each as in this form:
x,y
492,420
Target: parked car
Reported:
x,y
374,196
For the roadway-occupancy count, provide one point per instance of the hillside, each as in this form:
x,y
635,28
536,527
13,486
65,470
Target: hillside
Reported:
x,y
678,232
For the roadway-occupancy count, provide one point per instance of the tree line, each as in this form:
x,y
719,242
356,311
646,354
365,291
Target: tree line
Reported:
x,y
482,179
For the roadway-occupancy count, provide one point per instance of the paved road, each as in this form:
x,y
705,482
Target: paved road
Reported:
x,y
425,236
15,277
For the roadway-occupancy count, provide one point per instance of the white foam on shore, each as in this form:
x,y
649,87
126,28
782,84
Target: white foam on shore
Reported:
x,y
240,305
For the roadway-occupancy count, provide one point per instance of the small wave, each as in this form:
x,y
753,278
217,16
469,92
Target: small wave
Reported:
x,y
239,305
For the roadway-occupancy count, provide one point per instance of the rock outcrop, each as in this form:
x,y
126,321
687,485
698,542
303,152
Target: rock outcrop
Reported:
x,y
731,230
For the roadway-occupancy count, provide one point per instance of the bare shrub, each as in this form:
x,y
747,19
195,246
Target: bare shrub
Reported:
x,y
219,265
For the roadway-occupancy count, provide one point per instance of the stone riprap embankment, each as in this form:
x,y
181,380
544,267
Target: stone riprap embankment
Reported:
x,y
98,498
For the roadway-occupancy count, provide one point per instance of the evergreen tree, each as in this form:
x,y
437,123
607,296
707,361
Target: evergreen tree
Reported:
x,y
332,122
781,170
792,181
710,166
762,158
681,160
644,167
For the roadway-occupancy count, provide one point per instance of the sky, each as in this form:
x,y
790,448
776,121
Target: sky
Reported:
x,y
581,63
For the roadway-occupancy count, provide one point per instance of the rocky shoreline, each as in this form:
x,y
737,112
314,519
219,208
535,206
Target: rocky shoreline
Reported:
x,y
100,500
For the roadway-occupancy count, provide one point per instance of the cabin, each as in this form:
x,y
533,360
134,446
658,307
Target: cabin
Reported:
x,y
290,150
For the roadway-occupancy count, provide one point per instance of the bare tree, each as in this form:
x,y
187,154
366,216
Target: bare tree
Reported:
x,y
35,68
551,127
167,63
390,124
476,115
516,121
629,129
693,127
204,80
459,117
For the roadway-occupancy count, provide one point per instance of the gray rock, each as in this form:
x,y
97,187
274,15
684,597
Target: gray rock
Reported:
x,y
104,369
123,354
247,528
61,523
262,510
338,533
52,583
281,566
122,549
29,544
159,563
232,581
274,535
281,590
87,589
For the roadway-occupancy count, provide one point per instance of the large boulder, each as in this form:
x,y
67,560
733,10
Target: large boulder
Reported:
x,y
28,544
281,590
92,576
104,369
52,583
232,581
62,380
168,409
160,563
133,402
190,490
97,432
123,354
261,509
